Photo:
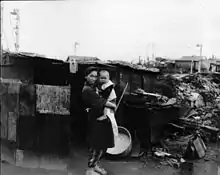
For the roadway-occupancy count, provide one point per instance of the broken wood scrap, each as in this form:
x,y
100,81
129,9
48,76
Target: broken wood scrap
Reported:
x,y
191,113
210,128
177,126
191,123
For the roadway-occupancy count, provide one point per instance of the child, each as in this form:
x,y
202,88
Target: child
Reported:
x,y
108,92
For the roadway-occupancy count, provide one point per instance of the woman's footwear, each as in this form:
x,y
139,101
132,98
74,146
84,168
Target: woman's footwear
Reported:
x,y
141,153
91,171
100,170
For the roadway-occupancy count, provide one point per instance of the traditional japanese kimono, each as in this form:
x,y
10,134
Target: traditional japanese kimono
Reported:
x,y
101,135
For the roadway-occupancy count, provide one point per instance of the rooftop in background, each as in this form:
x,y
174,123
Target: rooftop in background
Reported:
x,y
190,58
83,58
133,66
95,60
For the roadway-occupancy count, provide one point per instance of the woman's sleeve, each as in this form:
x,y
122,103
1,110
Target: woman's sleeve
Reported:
x,y
93,99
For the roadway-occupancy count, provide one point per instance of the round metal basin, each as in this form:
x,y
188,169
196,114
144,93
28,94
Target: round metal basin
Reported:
x,y
123,144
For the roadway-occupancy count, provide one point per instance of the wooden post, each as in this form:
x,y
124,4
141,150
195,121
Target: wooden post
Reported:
x,y
1,17
199,66
192,63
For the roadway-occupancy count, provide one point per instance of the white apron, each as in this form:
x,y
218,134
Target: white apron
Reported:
x,y
110,113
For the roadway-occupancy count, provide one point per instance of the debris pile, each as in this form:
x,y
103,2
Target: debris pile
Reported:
x,y
199,123
194,86
175,151
199,93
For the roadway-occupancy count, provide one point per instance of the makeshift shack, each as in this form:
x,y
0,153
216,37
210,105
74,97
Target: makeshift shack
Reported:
x,y
45,111
35,102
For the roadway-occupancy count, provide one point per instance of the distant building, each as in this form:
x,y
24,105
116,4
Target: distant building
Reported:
x,y
215,67
199,63
185,61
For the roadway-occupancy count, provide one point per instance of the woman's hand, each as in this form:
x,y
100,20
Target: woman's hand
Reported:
x,y
110,105
102,118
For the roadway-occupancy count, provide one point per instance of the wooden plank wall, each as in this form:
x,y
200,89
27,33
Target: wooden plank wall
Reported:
x,y
9,110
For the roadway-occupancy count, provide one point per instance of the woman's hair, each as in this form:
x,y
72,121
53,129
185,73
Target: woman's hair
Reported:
x,y
89,70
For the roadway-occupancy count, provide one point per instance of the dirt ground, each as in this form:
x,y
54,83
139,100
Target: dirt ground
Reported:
x,y
76,165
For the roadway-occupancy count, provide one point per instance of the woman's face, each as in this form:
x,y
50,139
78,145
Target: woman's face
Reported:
x,y
92,77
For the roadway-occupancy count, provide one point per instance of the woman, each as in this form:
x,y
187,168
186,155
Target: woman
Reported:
x,y
100,130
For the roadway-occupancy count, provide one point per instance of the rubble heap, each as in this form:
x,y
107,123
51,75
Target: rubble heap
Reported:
x,y
199,93
200,96
196,83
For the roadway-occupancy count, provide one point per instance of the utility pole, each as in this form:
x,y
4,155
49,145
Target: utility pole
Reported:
x,y
152,51
76,44
148,60
200,47
139,59
17,27
199,66
147,54
1,27
192,65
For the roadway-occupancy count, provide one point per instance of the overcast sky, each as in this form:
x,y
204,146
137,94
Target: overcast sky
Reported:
x,y
116,29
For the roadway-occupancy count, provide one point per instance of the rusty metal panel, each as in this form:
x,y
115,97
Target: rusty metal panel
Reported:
x,y
53,99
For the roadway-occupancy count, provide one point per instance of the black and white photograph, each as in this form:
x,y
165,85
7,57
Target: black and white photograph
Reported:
x,y
110,87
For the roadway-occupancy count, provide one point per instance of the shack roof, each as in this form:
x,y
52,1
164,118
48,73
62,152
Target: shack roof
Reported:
x,y
28,55
133,66
111,63
34,57
82,60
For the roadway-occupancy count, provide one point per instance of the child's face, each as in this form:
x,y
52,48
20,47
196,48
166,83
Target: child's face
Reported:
x,y
103,77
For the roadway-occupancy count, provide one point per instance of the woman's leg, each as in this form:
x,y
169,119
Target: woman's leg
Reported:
x,y
95,157
94,160
97,167
102,153
99,155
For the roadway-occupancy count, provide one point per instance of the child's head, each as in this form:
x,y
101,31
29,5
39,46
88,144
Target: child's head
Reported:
x,y
104,76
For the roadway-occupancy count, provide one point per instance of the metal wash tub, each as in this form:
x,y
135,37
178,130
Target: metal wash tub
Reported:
x,y
123,145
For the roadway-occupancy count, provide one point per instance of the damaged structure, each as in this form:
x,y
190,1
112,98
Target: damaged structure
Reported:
x,y
34,98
